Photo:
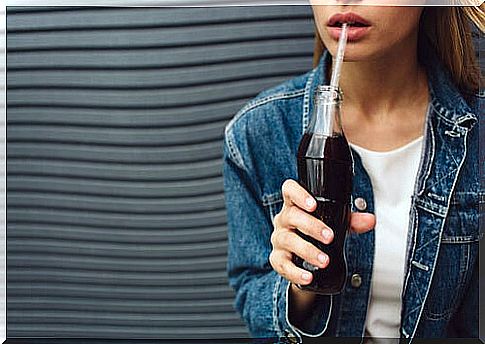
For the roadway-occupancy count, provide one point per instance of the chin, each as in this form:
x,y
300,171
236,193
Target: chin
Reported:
x,y
355,55
355,52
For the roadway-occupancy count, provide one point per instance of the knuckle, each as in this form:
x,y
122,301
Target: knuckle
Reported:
x,y
316,227
273,238
292,213
310,248
272,259
306,223
276,219
287,186
283,214
282,269
308,251
284,238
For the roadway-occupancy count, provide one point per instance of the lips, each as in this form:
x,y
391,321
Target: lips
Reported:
x,y
357,29
352,19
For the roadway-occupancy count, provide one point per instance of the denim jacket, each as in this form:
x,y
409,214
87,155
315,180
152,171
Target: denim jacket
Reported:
x,y
440,291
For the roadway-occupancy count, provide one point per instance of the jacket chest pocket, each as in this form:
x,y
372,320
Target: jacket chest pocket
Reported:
x,y
456,258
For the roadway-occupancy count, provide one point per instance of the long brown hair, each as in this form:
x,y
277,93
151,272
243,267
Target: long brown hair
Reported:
x,y
447,31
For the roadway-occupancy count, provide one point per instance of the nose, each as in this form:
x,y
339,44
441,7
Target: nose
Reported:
x,y
348,2
337,2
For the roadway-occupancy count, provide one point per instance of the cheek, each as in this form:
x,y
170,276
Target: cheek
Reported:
x,y
399,23
406,28
321,14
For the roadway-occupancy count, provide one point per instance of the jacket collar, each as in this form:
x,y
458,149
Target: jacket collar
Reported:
x,y
444,95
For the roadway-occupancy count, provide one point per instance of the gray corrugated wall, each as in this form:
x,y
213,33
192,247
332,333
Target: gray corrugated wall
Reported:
x,y
2,178
116,220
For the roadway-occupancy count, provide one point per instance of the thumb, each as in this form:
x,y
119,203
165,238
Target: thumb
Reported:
x,y
362,222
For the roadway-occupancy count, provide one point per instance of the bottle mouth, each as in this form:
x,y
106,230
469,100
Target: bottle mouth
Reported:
x,y
328,94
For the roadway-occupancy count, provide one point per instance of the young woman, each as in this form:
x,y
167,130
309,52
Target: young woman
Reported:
x,y
410,113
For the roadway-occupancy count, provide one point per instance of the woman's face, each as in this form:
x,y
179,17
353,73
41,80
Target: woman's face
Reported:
x,y
374,31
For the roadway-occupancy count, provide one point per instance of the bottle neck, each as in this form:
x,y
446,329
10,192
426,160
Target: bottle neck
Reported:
x,y
326,119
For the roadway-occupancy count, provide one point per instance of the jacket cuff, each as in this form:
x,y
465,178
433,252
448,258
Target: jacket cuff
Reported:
x,y
316,324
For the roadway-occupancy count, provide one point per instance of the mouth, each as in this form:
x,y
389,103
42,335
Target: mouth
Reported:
x,y
352,19
358,29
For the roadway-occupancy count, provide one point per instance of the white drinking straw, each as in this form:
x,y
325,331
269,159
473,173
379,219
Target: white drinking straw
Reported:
x,y
337,66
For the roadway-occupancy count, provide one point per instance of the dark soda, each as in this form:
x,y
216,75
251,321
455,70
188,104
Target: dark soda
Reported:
x,y
328,178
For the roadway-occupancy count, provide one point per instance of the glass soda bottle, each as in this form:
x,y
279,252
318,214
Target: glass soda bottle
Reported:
x,y
325,170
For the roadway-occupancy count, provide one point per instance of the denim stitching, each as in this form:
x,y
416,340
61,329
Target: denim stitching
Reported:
x,y
441,232
417,290
431,208
234,152
468,239
413,310
463,269
477,198
413,220
437,197
431,158
408,269
442,316
448,148
465,266
236,155
270,199
275,307
473,193
411,255
444,113
306,100
439,180
258,102
427,243
455,122
286,314
304,333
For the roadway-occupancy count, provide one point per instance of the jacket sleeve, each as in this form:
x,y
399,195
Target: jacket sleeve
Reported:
x,y
261,293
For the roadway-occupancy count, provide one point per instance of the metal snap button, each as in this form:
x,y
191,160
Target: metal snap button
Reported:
x,y
360,203
291,338
356,281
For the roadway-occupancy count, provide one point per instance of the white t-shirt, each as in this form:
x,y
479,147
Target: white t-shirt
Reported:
x,y
393,175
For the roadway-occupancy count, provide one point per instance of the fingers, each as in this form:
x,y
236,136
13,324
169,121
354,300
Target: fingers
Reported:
x,y
298,203
298,219
291,242
362,222
295,194
281,262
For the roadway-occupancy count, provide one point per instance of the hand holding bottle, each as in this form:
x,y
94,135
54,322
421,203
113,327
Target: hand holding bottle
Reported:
x,y
297,204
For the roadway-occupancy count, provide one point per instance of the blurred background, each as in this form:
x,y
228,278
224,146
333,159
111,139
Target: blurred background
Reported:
x,y
115,116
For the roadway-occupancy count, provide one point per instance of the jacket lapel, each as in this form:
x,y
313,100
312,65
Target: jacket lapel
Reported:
x,y
446,141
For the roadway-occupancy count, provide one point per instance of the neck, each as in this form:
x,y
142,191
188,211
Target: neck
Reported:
x,y
392,81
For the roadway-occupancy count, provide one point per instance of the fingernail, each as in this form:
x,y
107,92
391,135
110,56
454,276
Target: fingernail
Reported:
x,y
310,202
306,276
326,234
322,258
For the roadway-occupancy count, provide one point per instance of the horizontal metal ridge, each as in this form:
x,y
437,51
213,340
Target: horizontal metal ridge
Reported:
x,y
164,58
53,229
148,188
169,205
92,152
25,18
116,172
